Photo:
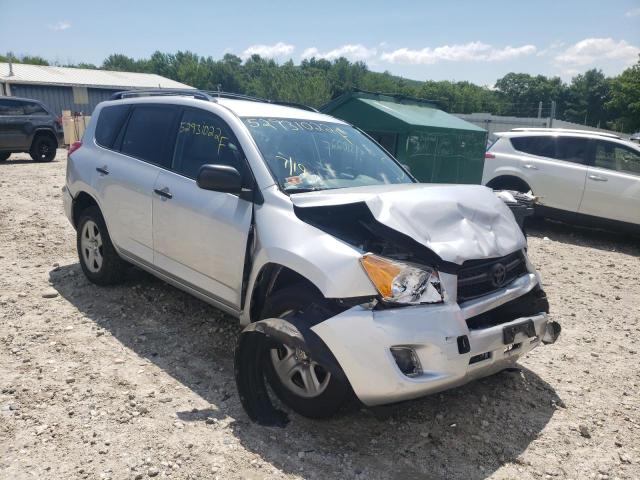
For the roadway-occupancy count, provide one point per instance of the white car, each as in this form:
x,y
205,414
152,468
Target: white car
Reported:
x,y
576,174
348,275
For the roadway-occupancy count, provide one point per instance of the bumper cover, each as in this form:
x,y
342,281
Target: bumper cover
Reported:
x,y
67,202
361,339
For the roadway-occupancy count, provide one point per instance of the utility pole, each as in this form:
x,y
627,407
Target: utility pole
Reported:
x,y
552,114
539,109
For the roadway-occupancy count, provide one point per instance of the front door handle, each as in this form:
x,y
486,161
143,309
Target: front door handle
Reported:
x,y
164,193
531,167
103,170
598,178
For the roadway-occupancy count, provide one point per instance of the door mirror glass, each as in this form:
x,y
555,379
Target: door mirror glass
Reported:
x,y
219,178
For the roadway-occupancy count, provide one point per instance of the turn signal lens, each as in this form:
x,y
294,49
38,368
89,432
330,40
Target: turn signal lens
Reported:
x,y
402,283
381,272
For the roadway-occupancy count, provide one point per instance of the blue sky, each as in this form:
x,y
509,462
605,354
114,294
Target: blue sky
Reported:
x,y
439,40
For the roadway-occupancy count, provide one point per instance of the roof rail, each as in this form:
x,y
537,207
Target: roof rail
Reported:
x,y
564,130
152,92
207,95
301,106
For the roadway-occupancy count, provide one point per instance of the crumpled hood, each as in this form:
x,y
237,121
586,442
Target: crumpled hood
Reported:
x,y
457,222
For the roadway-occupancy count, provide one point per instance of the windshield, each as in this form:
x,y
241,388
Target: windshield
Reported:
x,y
306,156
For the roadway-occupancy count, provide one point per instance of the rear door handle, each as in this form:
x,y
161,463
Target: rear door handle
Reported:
x,y
103,170
598,178
530,167
164,193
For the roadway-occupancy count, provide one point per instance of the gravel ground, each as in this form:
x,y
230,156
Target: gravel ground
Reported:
x,y
136,381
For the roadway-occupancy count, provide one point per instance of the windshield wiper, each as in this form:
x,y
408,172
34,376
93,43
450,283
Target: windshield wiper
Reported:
x,y
303,190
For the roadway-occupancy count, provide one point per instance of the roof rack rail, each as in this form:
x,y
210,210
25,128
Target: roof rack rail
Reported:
x,y
564,130
207,95
301,106
151,92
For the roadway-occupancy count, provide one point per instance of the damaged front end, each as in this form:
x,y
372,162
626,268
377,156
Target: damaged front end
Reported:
x,y
457,297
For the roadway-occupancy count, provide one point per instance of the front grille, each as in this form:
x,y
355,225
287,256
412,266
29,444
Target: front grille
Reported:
x,y
481,277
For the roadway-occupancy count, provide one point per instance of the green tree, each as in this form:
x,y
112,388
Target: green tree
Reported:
x,y
623,106
586,99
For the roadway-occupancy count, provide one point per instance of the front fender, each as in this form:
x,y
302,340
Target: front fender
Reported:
x,y
335,275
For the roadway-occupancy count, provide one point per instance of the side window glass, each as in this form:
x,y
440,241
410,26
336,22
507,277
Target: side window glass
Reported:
x,y
34,109
572,149
110,124
617,157
204,138
149,131
540,146
11,108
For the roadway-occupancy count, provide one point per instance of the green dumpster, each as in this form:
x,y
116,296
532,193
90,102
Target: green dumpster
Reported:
x,y
437,147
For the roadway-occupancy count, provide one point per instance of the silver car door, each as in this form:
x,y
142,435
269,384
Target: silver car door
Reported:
x,y
200,236
125,179
613,183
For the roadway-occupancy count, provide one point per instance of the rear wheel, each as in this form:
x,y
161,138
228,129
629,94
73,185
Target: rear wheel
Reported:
x,y
43,148
301,383
4,156
98,258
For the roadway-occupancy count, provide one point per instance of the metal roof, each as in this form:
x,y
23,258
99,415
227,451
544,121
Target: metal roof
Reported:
x,y
404,111
421,115
66,76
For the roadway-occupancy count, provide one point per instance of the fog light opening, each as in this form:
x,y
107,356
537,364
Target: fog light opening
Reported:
x,y
479,358
407,361
512,347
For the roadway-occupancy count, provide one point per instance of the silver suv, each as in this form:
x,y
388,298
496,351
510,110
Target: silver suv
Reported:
x,y
349,276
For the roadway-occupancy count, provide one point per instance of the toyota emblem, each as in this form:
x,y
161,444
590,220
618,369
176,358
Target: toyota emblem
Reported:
x,y
498,275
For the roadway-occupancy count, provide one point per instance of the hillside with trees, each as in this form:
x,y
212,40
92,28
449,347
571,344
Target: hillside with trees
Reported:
x,y
590,98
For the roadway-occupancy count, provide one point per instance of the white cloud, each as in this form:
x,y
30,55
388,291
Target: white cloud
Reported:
x,y
590,50
352,52
62,25
635,12
472,51
278,50
509,52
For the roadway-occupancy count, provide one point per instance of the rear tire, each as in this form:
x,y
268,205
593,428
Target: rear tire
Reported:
x,y
326,393
43,148
4,156
99,260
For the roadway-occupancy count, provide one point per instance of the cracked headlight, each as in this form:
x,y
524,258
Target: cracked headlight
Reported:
x,y
402,283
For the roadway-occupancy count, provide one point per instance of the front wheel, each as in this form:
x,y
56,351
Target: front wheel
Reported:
x,y
98,258
302,384
4,156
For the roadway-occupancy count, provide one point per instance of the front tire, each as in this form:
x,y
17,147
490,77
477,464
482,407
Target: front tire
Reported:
x,y
43,149
4,156
99,260
299,382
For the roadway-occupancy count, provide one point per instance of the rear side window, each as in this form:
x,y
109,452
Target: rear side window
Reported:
x,y
150,130
617,157
540,146
34,109
572,149
110,123
204,138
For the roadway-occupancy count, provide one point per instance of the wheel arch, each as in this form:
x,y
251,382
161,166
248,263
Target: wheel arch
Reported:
x,y
509,182
40,132
81,202
271,278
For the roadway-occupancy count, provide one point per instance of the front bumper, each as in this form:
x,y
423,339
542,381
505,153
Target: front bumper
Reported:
x,y
361,338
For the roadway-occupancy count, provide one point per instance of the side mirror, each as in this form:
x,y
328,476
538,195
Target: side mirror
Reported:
x,y
219,178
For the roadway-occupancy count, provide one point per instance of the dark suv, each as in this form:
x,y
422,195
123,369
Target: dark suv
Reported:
x,y
28,126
